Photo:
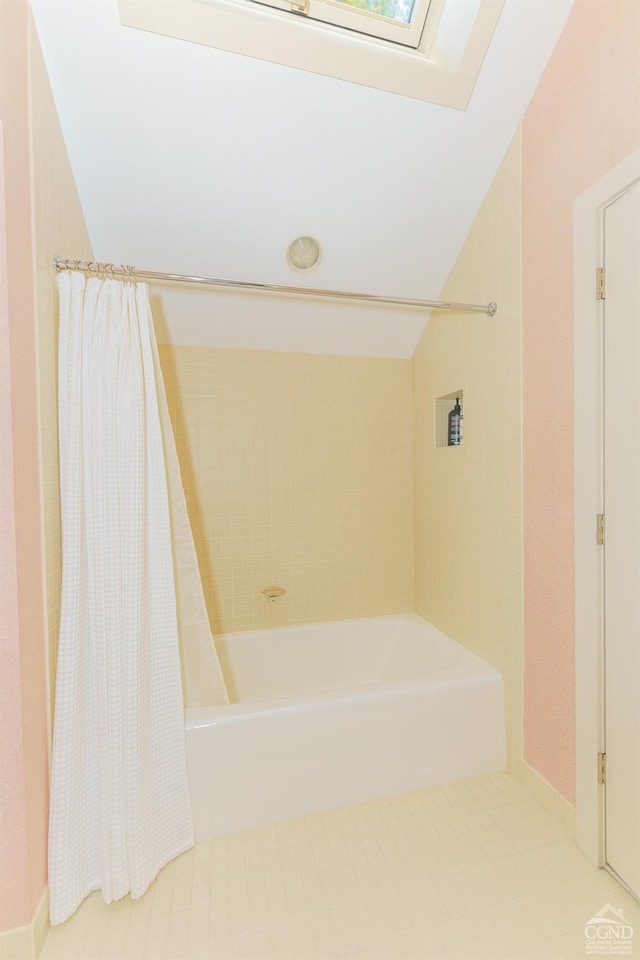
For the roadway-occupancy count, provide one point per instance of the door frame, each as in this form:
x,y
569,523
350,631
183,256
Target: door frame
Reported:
x,y
588,314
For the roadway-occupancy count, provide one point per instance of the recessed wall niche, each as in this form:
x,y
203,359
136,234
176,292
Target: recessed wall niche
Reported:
x,y
444,406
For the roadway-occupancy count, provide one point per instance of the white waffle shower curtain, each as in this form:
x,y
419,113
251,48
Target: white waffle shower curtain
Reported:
x,y
131,593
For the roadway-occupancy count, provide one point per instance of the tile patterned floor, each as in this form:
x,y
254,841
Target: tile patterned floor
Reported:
x,y
469,871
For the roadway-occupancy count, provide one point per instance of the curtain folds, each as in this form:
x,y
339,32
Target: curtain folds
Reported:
x,y
120,805
203,682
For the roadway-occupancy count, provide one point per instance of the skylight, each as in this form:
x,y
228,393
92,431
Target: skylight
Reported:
x,y
428,49
400,21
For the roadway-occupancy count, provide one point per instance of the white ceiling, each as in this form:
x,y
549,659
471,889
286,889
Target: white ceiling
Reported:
x,y
193,160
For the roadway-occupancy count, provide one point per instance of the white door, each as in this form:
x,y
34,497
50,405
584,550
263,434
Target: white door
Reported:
x,y
622,549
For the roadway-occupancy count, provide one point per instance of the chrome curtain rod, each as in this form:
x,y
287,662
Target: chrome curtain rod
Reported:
x,y
131,273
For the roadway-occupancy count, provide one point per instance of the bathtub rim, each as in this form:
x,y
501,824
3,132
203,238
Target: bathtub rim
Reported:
x,y
468,669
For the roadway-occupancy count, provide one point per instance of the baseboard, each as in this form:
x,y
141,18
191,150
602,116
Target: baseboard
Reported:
x,y
25,943
552,801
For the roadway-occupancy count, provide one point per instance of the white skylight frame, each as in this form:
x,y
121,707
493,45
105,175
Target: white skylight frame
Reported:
x,y
442,70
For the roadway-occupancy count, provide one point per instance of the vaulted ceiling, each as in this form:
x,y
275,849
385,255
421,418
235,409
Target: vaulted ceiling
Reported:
x,y
190,159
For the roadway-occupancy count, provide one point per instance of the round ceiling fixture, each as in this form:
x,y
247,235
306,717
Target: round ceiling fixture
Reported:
x,y
303,252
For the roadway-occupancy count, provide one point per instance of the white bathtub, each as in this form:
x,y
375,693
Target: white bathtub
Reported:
x,y
330,714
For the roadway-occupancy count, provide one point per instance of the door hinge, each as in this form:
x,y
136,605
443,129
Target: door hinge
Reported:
x,y
600,281
300,6
602,768
600,528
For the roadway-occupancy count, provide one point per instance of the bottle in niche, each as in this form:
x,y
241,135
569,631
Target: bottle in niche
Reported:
x,y
454,435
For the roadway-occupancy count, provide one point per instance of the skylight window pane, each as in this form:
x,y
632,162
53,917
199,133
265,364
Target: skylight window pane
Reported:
x,y
398,21
399,10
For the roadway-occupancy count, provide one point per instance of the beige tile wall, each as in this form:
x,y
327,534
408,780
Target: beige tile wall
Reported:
x,y
468,499
59,227
298,473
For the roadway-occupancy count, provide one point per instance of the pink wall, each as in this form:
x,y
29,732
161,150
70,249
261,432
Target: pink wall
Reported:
x,y
13,833
583,119
23,717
